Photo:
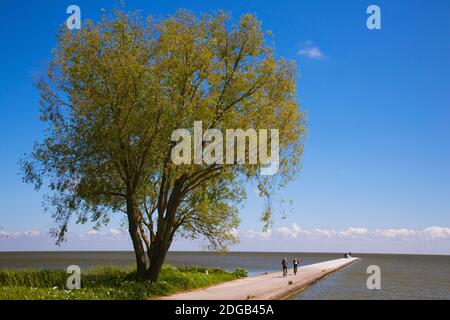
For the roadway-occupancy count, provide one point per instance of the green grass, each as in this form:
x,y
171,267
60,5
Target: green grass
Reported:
x,y
108,283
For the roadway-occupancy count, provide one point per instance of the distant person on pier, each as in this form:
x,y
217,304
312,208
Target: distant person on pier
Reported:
x,y
284,263
295,262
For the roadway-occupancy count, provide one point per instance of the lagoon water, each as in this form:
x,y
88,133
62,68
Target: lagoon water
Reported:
x,y
402,276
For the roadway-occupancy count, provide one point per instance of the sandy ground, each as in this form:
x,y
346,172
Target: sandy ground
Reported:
x,y
271,286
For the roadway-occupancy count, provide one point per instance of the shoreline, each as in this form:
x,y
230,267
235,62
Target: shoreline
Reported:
x,y
270,286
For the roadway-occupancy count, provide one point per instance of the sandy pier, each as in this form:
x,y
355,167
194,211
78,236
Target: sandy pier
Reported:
x,y
270,286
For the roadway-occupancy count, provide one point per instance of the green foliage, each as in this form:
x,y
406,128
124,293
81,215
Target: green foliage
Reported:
x,y
33,278
240,273
106,283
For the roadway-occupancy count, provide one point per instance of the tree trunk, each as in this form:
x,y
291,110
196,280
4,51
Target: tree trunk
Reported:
x,y
133,228
157,256
166,230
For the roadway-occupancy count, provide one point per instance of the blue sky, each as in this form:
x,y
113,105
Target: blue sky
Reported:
x,y
376,167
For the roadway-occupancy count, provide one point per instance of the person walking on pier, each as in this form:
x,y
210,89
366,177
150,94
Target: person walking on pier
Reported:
x,y
284,263
295,262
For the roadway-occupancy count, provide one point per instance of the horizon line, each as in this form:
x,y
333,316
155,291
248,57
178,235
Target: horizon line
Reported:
x,y
226,252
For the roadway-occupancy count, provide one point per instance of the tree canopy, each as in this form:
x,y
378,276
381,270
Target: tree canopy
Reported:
x,y
114,93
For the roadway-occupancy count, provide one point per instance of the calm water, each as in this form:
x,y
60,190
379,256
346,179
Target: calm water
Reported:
x,y
402,276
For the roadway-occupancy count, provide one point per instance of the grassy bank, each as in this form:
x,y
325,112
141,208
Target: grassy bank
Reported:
x,y
107,283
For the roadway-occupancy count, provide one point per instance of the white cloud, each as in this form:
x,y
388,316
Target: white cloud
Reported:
x,y
6,234
261,235
310,50
32,233
433,233
360,233
361,237
292,232
354,232
115,232
17,234
112,233
323,233
396,233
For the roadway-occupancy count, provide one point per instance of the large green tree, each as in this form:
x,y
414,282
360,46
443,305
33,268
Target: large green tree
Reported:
x,y
114,93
